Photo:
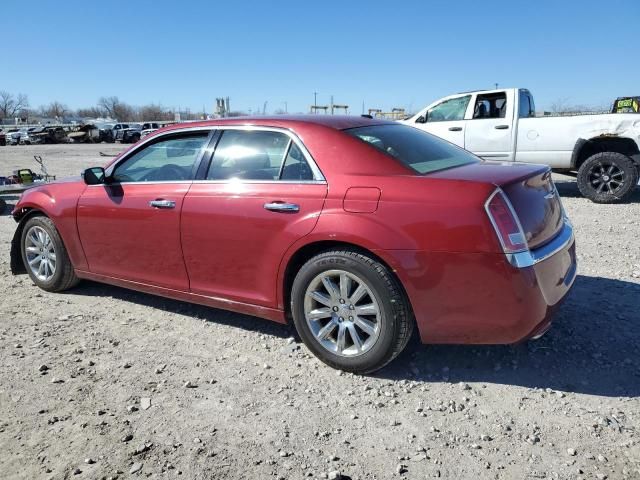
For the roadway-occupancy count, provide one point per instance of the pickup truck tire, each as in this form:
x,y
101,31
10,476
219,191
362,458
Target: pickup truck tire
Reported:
x,y
607,177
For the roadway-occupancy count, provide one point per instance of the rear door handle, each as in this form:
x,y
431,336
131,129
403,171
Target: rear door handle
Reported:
x,y
281,207
501,127
162,203
455,129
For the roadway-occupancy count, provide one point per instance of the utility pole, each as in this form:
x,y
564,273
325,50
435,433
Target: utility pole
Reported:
x,y
315,99
496,86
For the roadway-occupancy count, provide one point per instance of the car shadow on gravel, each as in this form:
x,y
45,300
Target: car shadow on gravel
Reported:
x,y
198,312
569,188
592,348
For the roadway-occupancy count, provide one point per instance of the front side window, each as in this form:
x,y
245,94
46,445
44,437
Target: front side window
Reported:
x,y
257,155
422,152
449,110
172,159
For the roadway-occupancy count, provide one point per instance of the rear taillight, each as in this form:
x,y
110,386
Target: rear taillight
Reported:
x,y
506,223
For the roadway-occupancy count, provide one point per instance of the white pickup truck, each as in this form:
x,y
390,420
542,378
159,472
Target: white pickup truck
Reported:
x,y
600,149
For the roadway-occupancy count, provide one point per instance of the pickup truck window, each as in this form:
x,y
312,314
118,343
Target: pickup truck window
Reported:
x,y
449,110
492,105
527,108
419,150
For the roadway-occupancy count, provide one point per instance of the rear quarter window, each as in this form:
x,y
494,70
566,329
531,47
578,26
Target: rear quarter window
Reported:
x,y
422,152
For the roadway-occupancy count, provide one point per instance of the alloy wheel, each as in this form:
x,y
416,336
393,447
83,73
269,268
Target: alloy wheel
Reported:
x,y
342,312
606,177
41,254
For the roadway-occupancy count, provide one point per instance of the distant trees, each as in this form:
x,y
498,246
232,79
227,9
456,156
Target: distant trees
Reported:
x,y
10,104
17,106
55,110
563,105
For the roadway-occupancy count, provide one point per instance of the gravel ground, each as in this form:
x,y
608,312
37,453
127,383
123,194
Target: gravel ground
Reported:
x,y
102,382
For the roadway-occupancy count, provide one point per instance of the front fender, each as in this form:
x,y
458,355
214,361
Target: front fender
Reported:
x,y
58,201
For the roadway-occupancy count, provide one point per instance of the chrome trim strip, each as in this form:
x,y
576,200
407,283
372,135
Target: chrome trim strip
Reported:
x,y
530,258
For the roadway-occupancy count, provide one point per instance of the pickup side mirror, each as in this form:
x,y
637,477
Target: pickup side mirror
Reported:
x,y
94,176
422,118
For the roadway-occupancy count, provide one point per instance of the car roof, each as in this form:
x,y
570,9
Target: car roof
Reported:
x,y
337,122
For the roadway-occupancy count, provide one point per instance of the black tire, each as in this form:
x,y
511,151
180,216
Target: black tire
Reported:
x,y
618,169
64,276
395,324
3,206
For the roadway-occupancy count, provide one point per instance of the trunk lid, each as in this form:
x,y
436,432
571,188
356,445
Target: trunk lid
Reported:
x,y
530,190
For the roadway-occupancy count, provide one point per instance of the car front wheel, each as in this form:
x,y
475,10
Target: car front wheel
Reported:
x,y
350,311
45,256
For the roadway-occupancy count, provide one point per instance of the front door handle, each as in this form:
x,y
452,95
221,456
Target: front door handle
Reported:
x,y
162,203
501,127
455,129
281,207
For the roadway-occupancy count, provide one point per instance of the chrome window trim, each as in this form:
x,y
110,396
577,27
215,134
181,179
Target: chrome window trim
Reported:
x,y
212,129
532,257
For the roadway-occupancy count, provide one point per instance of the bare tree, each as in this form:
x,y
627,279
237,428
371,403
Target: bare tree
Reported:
x,y
154,112
10,104
55,110
117,109
91,112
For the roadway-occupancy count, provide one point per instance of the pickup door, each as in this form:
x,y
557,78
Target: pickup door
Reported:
x,y
445,119
489,127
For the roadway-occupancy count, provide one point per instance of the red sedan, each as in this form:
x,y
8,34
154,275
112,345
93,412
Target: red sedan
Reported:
x,y
357,230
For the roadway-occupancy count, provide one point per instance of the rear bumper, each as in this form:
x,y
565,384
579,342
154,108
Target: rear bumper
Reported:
x,y
483,298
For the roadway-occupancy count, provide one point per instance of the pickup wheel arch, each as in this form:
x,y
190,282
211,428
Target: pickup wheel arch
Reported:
x,y
585,148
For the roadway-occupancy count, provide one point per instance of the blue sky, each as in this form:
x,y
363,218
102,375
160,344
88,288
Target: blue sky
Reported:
x,y
385,53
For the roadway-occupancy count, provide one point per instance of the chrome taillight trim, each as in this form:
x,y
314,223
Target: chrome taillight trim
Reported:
x,y
530,258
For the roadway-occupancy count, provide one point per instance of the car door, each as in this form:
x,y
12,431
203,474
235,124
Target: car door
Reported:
x,y
130,228
446,119
489,130
261,192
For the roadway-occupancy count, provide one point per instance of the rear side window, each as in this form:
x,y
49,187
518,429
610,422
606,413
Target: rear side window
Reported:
x,y
415,148
527,108
492,105
258,155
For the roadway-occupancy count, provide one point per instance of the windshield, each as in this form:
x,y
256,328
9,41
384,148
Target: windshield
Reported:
x,y
418,150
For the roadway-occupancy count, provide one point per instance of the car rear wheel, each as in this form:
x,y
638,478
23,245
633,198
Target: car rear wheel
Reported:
x,y
45,256
350,311
607,177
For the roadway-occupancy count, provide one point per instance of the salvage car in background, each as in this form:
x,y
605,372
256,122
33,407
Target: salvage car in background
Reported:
x,y
361,231
602,150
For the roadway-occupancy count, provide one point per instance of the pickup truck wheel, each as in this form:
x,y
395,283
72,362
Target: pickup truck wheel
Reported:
x,y
350,311
607,177
45,256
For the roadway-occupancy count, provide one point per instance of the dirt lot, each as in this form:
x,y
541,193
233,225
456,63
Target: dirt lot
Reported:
x,y
95,383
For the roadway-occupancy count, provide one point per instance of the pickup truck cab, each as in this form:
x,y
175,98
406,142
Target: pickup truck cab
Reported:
x,y
601,150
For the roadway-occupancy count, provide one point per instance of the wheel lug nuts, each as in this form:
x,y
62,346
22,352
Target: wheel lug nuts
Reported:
x,y
342,300
335,309
351,318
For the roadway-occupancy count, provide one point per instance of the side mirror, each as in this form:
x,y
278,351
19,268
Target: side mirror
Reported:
x,y
94,176
422,118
